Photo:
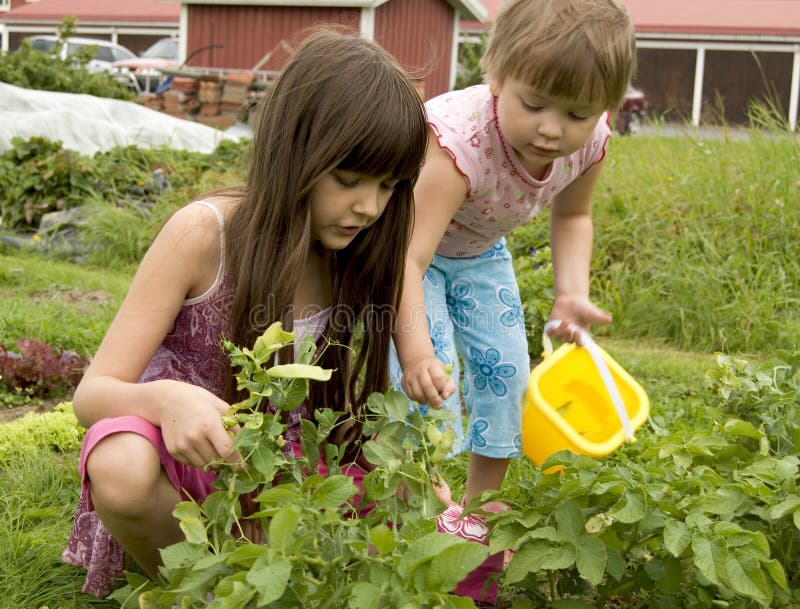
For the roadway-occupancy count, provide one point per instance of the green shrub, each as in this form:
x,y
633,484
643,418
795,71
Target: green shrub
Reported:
x,y
33,69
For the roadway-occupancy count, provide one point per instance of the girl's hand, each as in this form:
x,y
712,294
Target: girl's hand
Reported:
x,y
192,428
576,313
427,382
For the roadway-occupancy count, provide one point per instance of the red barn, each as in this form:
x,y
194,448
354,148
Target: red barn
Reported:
x,y
260,34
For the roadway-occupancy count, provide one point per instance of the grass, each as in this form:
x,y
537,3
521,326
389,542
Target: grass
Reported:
x,y
696,252
57,302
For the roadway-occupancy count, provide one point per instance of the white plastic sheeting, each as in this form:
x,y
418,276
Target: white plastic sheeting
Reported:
x,y
88,124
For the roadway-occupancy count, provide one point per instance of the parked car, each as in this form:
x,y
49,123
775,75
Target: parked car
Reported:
x,y
143,73
106,53
631,112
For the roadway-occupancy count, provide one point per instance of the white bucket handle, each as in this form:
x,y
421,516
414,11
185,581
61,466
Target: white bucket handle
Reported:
x,y
586,341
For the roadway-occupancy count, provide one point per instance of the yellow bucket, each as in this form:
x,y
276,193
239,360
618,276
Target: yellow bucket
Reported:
x,y
571,403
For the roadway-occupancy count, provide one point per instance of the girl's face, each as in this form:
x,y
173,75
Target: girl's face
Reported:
x,y
539,127
343,203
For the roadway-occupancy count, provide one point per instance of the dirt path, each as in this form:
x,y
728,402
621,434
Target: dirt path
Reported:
x,y
45,405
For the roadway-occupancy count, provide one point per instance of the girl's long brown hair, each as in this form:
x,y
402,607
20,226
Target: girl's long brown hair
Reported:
x,y
341,102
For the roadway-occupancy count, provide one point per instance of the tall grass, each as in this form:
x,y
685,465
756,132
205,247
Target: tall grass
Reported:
x,y
38,494
696,240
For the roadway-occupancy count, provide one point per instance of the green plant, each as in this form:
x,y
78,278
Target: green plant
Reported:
x,y
38,176
696,515
57,431
34,69
324,547
469,56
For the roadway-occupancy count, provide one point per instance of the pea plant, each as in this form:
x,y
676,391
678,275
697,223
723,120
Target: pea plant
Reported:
x,y
306,539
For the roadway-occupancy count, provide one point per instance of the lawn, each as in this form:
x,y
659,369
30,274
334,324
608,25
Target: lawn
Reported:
x,y
696,257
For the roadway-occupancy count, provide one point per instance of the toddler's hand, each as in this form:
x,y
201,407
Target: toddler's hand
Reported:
x,y
576,313
427,382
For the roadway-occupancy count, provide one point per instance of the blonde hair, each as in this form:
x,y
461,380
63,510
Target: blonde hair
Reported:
x,y
578,49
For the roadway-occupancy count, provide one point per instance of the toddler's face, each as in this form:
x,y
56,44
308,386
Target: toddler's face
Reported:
x,y
539,127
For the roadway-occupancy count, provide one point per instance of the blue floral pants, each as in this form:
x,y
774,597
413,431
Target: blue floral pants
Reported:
x,y
473,309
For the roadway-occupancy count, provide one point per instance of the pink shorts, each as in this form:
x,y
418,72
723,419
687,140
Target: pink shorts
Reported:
x,y
190,482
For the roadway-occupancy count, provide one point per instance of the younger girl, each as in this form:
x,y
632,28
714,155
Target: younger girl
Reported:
x,y
534,137
316,239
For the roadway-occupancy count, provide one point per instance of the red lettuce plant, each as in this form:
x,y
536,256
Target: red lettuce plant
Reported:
x,y
40,368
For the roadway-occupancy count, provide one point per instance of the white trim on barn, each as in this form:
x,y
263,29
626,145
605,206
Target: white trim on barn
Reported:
x,y
710,43
183,34
454,52
114,30
367,22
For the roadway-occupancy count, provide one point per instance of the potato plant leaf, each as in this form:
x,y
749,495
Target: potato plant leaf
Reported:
x,y
270,576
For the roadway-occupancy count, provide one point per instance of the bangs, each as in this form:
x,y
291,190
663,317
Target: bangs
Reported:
x,y
392,141
574,75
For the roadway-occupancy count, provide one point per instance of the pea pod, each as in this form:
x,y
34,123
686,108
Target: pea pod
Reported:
x,y
434,433
444,446
448,368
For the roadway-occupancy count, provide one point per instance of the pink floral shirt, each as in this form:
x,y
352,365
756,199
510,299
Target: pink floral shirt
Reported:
x,y
501,194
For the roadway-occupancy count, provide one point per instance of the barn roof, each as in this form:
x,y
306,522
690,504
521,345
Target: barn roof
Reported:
x,y
757,18
717,17
148,11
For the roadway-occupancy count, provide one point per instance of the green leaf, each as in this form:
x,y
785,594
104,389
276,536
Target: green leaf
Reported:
x,y
277,495
570,524
382,538
631,507
424,549
537,556
723,501
590,559
299,371
788,505
232,593
194,530
273,339
182,554
263,459
453,564
186,510
776,572
677,537
380,451
615,563
746,578
333,492
270,577
738,427
396,405
364,595
710,557
282,528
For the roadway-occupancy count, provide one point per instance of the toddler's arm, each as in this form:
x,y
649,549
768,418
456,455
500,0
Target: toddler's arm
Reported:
x,y
571,236
175,267
439,192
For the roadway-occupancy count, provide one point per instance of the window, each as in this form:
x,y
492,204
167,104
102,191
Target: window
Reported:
x,y
40,44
